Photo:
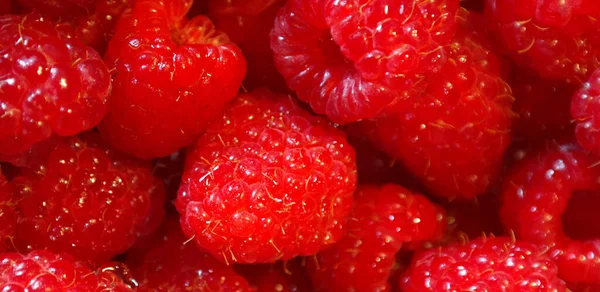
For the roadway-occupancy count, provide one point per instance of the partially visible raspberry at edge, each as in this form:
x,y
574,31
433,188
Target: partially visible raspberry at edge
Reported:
x,y
172,77
267,181
585,109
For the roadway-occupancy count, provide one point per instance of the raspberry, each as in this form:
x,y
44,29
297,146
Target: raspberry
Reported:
x,y
248,23
350,59
7,212
59,8
585,109
42,270
85,199
383,219
283,276
174,264
267,181
542,106
173,76
484,264
558,39
50,82
538,193
454,137
8,7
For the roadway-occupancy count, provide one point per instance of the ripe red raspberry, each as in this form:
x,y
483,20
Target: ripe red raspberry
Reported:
x,y
42,270
248,23
382,220
173,76
85,199
537,195
453,138
542,106
8,218
50,82
267,181
585,109
350,59
484,264
172,263
558,39
59,8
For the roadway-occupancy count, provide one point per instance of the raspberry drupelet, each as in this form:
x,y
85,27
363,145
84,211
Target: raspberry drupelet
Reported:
x,y
452,138
484,264
42,270
172,77
86,199
50,82
8,218
171,263
585,109
350,59
539,194
267,181
558,39
382,220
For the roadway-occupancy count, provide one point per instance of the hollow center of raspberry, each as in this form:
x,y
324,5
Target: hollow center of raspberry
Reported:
x,y
330,50
580,219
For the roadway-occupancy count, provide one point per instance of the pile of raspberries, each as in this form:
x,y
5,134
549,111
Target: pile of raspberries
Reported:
x,y
299,145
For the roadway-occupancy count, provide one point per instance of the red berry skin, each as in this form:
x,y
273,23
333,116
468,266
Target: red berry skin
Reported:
x,y
172,263
248,23
283,276
42,270
454,137
585,109
267,181
173,76
382,220
340,56
484,264
557,39
50,82
85,199
7,212
536,193
61,8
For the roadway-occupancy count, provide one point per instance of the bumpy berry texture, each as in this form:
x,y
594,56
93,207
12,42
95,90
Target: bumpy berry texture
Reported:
x,y
558,39
454,136
537,195
267,181
7,212
350,59
46,271
585,109
484,264
85,199
50,82
248,24
172,263
173,76
382,220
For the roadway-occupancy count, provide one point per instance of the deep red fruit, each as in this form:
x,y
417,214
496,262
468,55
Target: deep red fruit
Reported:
x,y
267,181
50,82
248,23
8,218
350,59
173,263
85,199
173,76
484,264
283,276
453,138
585,109
542,106
558,39
8,7
538,193
382,220
60,8
42,270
